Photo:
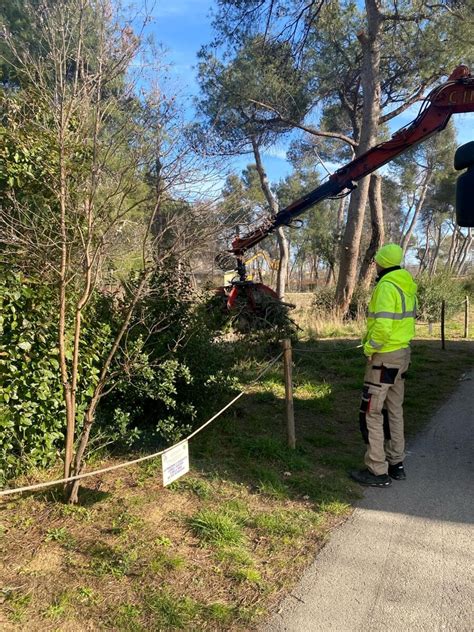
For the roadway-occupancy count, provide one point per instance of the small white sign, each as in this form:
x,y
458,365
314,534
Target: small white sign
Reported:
x,y
175,463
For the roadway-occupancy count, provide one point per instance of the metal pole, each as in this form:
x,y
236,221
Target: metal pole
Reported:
x,y
290,413
466,317
443,309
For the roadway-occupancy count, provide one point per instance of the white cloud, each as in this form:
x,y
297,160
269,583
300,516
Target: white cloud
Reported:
x,y
276,152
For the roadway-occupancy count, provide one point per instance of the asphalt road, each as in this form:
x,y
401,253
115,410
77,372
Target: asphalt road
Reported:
x,y
404,560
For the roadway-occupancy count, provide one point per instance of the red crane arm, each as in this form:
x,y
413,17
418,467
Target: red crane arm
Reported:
x,y
454,96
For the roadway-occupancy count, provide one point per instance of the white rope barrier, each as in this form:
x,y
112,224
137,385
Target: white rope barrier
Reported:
x,y
336,350
118,466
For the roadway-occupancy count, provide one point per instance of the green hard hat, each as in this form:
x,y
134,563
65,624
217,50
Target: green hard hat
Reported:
x,y
389,255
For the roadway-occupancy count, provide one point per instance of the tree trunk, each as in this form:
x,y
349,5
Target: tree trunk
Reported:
x,y
434,259
378,230
280,232
370,81
467,251
336,251
464,252
449,261
424,188
426,252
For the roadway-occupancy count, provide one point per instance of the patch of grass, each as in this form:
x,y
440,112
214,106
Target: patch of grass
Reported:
x,y
107,560
17,605
341,461
219,612
124,522
216,527
164,563
23,522
270,485
170,612
248,614
317,396
325,488
89,497
86,596
237,509
162,540
246,574
62,536
335,508
274,450
235,555
273,384
279,523
269,482
127,618
75,511
323,441
148,469
197,486
58,608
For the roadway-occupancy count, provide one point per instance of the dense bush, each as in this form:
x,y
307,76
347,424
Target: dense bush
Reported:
x,y
468,285
32,411
168,374
31,404
324,301
432,290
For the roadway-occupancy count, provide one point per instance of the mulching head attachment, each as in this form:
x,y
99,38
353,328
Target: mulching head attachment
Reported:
x,y
248,306
251,307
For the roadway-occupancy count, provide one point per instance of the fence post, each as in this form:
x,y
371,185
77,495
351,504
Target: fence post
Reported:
x,y
443,310
290,413
466,317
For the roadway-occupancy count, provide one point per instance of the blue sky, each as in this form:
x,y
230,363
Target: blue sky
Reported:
x,y
183,26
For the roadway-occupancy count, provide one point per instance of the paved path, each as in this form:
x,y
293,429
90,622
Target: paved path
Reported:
x,y
404,560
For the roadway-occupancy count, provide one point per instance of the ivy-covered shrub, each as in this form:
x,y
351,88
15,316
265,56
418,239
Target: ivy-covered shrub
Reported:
x,y
432,290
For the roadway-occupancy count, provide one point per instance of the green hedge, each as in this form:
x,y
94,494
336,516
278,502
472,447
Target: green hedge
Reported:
x,y
31,404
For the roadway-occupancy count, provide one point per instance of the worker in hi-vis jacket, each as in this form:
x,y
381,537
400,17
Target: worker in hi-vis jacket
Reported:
x,y
390,328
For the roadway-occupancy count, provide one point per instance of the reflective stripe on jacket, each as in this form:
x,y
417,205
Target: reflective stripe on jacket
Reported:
x,y
391,314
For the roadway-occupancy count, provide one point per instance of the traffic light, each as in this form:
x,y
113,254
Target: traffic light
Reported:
x,y
464,159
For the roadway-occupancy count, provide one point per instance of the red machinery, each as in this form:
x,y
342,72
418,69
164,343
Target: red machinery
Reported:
x,y
454,96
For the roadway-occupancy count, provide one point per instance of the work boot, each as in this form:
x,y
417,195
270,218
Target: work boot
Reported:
x,y
397,471
365,477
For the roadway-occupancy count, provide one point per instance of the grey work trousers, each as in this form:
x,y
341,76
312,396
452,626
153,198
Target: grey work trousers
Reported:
x,y
381,411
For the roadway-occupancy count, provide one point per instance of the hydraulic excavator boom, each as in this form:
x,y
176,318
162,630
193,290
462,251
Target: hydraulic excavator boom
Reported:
x,y
454,96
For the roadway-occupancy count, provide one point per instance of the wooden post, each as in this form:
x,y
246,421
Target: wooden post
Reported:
x,y
290,413
443,309
466,317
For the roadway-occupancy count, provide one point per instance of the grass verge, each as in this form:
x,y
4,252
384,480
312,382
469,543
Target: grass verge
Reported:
x,y
218,548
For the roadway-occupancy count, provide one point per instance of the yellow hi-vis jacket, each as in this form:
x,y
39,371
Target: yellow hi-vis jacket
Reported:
x,y
391,314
